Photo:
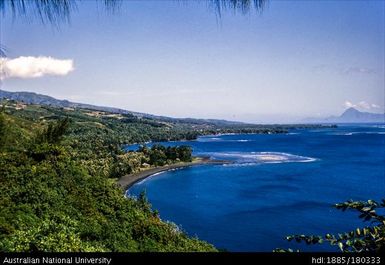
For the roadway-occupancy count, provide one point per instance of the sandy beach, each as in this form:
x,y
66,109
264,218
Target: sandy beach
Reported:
x,y
129,180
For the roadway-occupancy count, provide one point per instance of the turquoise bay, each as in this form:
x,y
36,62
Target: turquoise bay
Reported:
x,y
277,185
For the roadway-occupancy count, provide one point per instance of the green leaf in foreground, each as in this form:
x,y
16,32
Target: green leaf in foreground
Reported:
x,y
367,239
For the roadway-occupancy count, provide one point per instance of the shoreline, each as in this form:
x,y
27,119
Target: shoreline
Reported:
x,y
128,180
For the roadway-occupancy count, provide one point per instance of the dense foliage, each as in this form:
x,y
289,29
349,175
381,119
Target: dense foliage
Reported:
x,y
159,155
370,238
144,158
49,200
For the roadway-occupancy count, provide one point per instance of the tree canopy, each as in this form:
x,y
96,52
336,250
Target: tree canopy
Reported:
x,y
53,199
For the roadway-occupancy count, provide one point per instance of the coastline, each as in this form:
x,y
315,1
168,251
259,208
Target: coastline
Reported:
x,y
128,180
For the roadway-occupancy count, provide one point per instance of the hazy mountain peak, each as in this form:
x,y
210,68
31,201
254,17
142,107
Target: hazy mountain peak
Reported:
x,y
351,115
351,110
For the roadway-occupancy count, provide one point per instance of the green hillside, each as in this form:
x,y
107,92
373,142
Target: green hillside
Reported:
x,y
55,198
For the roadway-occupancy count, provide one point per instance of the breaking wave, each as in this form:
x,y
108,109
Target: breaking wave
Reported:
x,y
251,158
378,126
357,133
218,139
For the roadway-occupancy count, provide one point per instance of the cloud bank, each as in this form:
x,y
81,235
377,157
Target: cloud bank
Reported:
x,y
349,70
361,104
33,67
359,70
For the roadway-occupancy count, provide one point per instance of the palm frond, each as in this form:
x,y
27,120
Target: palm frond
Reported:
x,y
244,6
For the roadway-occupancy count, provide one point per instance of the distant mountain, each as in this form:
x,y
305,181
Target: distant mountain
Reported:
x,y
351,115
34,98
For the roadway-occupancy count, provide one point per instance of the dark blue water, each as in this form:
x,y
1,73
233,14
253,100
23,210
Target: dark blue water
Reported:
x,y
278,185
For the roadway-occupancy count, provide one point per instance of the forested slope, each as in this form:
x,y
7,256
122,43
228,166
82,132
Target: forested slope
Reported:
x,y
52,200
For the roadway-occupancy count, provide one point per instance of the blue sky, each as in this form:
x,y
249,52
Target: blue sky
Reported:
x,y
296,59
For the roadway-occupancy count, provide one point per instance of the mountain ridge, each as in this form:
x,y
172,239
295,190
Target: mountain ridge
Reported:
x,y
36,98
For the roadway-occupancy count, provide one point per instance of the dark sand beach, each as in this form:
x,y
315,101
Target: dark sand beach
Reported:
x,y
128,180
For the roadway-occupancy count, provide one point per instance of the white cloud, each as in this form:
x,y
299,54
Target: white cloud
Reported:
x,y
348,104
33,67
364,105
375,106
361,105
347,70
359,70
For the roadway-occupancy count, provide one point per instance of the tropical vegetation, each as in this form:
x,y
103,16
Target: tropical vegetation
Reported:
x,y
53,198
370,238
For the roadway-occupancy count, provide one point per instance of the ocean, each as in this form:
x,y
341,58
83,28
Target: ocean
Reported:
x,y
277,185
